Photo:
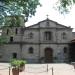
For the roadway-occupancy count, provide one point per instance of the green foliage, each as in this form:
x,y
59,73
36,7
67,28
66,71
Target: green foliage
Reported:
x,y
17,63
3,40
13,21
18,7
64,6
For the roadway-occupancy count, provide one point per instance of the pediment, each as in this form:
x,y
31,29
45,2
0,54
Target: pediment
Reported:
x,y
48,24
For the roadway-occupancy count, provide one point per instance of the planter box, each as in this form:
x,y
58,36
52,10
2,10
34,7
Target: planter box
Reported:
x,y
15,71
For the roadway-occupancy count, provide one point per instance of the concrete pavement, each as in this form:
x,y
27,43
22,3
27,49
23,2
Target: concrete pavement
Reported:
x,y
41,69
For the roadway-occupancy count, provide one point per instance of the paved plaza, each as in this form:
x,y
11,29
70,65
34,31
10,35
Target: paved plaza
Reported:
x,y
40,69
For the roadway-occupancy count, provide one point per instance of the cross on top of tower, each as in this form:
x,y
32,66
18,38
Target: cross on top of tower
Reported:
x,y
47,16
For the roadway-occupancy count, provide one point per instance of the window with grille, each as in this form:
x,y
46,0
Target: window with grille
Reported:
x,y
11,39
31,35
65,49
30,50
7,31
47,35
16,30
14,55
64,35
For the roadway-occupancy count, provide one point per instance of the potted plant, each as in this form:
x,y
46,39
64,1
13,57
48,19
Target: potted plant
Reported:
x,y
22,65
15,71
17,66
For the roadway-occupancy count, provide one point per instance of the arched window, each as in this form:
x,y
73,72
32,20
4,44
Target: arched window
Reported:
x,y
31,50
16,30
65,49
64,35
7,31
14,55
11,39
31,35
47,35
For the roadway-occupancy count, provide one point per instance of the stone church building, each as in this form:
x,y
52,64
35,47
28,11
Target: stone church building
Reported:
x,y
44,42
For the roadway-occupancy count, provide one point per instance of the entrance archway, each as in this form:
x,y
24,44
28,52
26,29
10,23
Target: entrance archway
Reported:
x,y
72,51
48,55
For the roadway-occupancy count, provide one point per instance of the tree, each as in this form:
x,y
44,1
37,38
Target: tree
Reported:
x,y
64,6
28,7
18,7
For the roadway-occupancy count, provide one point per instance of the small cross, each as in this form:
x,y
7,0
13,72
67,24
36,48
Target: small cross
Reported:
x,y
47,16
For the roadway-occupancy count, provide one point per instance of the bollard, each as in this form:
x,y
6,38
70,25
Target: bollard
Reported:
x,y
9,70
74,66
52,71
47,67
73,63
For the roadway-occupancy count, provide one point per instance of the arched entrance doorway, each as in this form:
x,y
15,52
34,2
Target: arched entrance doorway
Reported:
x,y
48,55
72,51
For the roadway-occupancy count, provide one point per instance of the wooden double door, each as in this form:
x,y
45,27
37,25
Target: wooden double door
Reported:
x,y
48,55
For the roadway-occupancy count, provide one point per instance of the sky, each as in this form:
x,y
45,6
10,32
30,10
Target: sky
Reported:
x,y
47,8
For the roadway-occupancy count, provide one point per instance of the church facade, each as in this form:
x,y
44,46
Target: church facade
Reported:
x,y
44,42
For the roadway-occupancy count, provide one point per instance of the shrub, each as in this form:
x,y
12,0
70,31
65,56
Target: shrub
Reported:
x,y
17,63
